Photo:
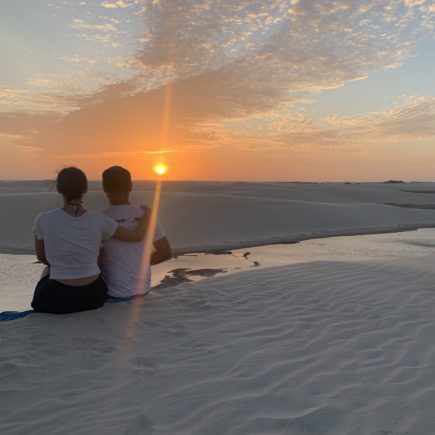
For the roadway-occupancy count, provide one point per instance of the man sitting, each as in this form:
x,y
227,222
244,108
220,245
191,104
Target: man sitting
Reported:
x,y
125,269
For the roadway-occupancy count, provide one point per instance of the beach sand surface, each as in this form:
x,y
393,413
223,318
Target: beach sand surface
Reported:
x,y
314,348
322,347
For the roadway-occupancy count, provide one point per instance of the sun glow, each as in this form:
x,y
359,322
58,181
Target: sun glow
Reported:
x,y
160,169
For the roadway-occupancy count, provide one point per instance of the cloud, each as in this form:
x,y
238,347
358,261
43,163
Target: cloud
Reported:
x,y
270,52
116,4
106,27
25,124
231,72
190,36
118,154
412,120
412,3
18,99
80,59
105,32
416,119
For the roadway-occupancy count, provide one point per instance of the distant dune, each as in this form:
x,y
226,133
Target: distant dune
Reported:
x,y
210,215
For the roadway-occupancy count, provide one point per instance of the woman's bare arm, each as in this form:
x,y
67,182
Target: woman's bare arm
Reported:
x,y
138,233
40,251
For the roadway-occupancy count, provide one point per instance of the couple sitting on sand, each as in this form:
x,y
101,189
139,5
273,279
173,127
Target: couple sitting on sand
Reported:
x,y
74,243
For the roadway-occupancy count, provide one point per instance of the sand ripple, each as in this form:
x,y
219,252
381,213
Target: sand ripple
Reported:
x,y
318,348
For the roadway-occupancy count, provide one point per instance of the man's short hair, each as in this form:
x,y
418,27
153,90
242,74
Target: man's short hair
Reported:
x,y
116,179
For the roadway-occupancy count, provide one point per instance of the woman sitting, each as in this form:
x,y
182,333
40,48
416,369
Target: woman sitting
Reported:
x,y
68,241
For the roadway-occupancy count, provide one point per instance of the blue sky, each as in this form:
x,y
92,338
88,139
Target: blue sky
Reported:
x,y
382,89
69,44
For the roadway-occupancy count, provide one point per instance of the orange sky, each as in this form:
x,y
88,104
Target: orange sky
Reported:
x,y
221,164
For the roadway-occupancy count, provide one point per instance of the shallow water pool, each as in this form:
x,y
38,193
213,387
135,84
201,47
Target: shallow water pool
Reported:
x,y
20,272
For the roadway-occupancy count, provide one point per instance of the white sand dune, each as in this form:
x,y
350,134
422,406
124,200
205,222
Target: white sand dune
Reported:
x,y
326,347
203,216
316,348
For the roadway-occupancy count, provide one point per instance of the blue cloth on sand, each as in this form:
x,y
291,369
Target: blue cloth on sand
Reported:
x,y
5,316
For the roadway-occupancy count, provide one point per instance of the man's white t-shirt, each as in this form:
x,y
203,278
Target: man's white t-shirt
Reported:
x,y
72,243
124,269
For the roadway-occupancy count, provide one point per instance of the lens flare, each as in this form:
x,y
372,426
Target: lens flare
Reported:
x,y
160,169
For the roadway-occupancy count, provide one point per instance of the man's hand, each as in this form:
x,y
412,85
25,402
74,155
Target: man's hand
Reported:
x,y
162,251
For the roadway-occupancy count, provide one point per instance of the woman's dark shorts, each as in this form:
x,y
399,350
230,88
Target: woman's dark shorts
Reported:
x,y
52,296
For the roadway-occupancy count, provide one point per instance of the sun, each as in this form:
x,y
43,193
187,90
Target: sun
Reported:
x,y
160,169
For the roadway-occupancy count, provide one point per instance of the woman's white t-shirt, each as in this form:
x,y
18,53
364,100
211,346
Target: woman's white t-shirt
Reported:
x,y
72,244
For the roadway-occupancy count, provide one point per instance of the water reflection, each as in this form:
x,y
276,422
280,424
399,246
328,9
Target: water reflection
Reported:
x,y
19,273
193,267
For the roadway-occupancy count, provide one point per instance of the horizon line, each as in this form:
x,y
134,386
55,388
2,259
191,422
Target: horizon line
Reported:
x,y
152,180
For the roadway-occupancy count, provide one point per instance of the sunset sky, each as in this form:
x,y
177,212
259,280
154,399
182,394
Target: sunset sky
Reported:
x,y
219,89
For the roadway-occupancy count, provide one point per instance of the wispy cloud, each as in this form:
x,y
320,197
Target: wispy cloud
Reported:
x,y
9,93
116,4
82,25
10,146
105,32
414,119
134,154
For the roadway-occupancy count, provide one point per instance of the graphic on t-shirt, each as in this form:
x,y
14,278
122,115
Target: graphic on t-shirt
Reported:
x,y
134,220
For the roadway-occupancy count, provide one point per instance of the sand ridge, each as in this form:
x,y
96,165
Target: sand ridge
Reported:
x,y
314,348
